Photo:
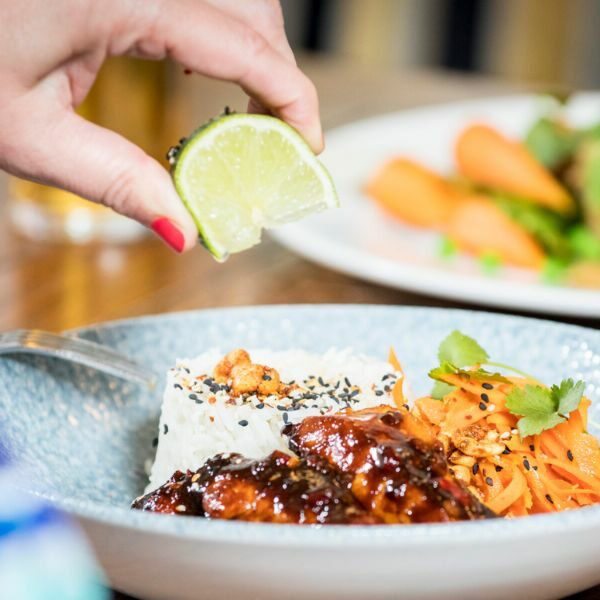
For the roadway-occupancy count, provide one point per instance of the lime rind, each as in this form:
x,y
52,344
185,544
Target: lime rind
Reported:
x,y
240,174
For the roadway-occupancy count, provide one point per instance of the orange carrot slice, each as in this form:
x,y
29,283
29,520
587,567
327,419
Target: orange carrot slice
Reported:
x,y
477,225
412,193
486,157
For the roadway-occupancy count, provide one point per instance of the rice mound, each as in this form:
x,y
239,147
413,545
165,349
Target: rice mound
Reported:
x,y
199,420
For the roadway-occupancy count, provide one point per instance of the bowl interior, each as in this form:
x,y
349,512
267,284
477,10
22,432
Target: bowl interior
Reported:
x,y
84,436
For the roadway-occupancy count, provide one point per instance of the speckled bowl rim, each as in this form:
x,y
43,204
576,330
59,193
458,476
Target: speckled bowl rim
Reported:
x,y
332,535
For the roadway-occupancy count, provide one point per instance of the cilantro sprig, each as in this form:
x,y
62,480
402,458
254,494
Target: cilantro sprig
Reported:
x,y
543,408
539,407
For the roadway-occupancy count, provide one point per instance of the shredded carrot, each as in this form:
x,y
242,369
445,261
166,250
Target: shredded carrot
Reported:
x,y
558,469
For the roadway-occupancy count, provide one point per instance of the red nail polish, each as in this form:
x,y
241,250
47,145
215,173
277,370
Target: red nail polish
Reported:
x,y
169,232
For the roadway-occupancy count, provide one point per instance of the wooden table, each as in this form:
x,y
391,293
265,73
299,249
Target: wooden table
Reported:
x,y
61,286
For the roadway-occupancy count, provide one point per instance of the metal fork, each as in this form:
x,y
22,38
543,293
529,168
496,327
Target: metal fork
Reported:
x,y
96,356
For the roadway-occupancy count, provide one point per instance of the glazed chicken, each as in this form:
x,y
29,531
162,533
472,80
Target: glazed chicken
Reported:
x,y
399,472
367,467
278,489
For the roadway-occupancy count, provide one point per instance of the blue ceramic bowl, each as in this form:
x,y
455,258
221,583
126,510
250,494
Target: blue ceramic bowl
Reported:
x,y
83,437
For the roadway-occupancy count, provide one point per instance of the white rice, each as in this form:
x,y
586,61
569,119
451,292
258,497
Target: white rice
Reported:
x,y
192,429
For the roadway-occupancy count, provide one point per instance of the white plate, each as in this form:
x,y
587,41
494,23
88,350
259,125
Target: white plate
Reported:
x,y
359,239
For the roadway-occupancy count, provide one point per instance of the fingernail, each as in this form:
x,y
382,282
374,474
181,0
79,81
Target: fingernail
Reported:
x,y
169,232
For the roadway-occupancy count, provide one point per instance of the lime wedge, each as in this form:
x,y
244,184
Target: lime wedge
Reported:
x,y
240,174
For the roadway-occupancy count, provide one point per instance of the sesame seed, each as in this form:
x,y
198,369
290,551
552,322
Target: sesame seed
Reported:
x,y
475,469
177,386
155,442
532,447
354,393
387,388
180,508
505,435
482,406
491,407
165,429
570,455
485,397
514,431
193,396
266,377
498,468
487,386
526,464
321,382
260,405
489,481
243,423
549,498
506,450
280,407
286,418
208,381
379,392
347,381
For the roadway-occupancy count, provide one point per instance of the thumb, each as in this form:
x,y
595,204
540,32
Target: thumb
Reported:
x,y
104,167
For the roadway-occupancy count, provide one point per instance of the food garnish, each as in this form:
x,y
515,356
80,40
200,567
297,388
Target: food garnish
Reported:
x,y
520,446
241,173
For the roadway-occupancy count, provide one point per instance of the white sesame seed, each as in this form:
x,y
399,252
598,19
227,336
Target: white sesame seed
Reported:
x,y
491,407
505,435
180,508
514,431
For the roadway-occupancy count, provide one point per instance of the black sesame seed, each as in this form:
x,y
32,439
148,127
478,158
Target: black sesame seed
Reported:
x,y
482,406
570,455
292,382
165,429
193,396
506,450
198,401
186,370
534,468
526,464
267,377
155,442
280,407
532,447
286,418
321,382
354,393
549,498
475,469
485,397
260,405
178,387
406,406
489,481
347,382
487,386
498,468
243,423
379,392
387,388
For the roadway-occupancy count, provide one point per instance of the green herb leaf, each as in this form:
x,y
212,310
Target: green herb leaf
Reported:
x,y
461,351
568,395
440,374
543,408
441,389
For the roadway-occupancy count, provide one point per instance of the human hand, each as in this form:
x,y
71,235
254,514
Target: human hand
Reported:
x,y
50,53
